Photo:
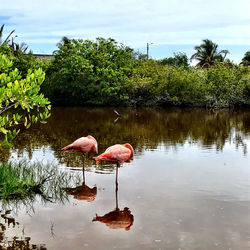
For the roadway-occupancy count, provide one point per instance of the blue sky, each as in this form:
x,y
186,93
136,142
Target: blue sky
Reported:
x,y
171,25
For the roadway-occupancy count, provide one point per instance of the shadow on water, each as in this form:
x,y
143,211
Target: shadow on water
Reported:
x,y
118,218
8,223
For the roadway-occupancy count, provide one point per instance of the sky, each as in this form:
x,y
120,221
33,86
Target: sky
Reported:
x,y
170,25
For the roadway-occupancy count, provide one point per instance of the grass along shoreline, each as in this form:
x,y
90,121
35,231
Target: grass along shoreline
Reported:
x,y
22,180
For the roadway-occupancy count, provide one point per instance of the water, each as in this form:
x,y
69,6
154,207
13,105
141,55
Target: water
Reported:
x,y
188,186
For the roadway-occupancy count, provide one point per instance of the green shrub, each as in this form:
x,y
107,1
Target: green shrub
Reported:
x,y
219,86
20,100
90,73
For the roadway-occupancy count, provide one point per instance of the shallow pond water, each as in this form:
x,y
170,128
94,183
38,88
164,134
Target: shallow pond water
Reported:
x,y
188,186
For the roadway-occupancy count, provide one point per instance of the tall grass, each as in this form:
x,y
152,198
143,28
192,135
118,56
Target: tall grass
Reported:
x,y
20,181
17,181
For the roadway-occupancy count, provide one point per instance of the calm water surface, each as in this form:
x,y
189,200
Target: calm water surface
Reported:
x,y
188,186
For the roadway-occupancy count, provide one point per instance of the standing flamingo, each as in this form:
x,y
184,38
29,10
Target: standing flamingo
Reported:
x,y
117,153
83,145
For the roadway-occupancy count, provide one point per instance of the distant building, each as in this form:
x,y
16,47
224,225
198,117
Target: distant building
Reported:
x,y
43,56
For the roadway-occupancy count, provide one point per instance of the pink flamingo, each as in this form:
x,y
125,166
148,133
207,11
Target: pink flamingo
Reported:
x,y
117,153
83,145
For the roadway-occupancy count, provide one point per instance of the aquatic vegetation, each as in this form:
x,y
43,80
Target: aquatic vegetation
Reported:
x,y
22,181
17,181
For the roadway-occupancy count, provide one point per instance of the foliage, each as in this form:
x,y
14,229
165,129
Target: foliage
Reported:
x,y
24,62
20,100
103,72
7,39
5,49
140,56
88,72
207,54
155,84
16,182
218,86
24,180
227,87
246,59
18,54
16,47
145,81
179,60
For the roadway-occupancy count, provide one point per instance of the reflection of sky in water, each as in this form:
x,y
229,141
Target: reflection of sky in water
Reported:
x,y
44,153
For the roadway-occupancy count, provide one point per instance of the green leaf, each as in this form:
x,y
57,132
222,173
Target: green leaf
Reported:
x,y
3,130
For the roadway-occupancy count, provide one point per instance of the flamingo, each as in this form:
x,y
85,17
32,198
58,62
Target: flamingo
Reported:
x,y
117,153
117,218
83,145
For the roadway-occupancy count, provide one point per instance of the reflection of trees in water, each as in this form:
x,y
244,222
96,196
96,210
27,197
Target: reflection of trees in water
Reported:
x,y
143,128
14,242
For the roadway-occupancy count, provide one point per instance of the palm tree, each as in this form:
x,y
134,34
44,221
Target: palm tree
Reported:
x,y
16,47
207,54
65,41
7,39
246,59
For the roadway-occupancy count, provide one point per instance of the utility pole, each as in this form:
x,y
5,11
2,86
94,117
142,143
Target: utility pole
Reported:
x,y
148,49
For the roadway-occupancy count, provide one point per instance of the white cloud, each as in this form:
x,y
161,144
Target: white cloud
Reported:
x,y
130,22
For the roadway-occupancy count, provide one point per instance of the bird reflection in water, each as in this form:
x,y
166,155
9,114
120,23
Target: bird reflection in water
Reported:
x,y
82,192
117,219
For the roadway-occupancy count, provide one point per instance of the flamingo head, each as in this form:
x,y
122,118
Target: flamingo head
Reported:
x,y
95,147
127,145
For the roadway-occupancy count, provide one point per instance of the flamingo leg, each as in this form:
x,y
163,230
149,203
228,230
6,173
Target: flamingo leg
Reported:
x,y
116,185
83,169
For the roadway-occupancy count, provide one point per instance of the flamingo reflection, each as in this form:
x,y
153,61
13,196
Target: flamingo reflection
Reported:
x,y
117,219
82,192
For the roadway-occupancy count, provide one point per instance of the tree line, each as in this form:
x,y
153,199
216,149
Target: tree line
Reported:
x,y
104,72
